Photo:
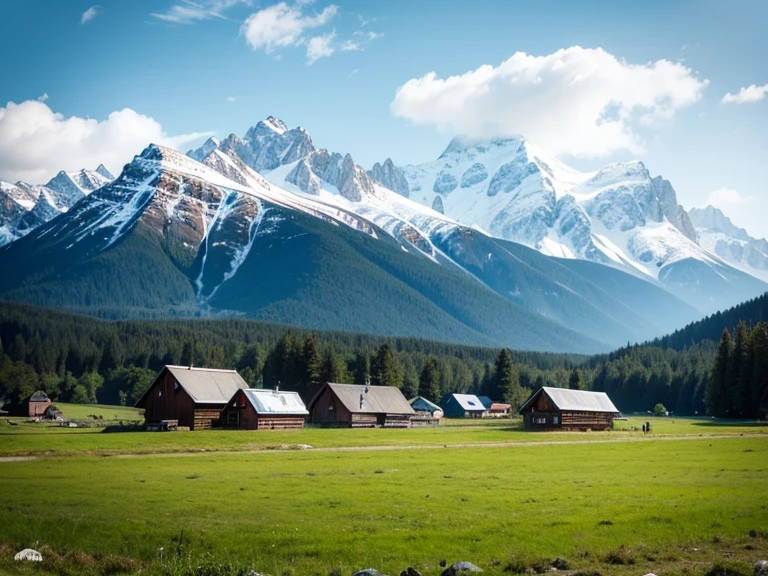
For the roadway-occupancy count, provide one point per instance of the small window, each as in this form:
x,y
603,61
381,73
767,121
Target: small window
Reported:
x,y
555,419
159,392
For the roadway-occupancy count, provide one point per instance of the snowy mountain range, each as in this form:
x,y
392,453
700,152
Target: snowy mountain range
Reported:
x,y
718,235
494,243
24,206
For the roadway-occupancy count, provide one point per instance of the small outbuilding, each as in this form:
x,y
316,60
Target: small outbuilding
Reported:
x,y
426,413
564,409
463,406
261,409
189,397
37,404
358,406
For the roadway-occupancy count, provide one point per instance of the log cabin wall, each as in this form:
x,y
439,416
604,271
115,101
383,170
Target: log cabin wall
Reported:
x,y
168,401
327,409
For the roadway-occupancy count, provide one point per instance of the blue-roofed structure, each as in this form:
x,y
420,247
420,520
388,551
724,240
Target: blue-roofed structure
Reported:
x,y
462,406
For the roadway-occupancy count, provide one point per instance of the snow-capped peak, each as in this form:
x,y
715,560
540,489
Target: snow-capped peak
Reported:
x,y
275,124
105,172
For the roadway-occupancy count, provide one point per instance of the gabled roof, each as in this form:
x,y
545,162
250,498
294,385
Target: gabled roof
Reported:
x,y
274,402
377,400
39,396
421,403
496,406
578,400
204,385
469,402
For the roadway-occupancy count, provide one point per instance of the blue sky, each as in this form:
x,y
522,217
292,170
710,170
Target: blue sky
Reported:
x,y
185,69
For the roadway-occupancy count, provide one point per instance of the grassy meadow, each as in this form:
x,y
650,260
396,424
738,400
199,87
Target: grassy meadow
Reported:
x,y
690,496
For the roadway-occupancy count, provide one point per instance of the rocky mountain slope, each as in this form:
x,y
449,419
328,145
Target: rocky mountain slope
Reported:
x,y
718,235
24,206
620,216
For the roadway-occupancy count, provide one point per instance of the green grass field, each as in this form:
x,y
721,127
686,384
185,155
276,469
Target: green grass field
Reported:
x,y
676,503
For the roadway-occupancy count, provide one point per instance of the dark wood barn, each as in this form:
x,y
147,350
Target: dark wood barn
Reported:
x,y
194,397
358,406
426,413
258,409
563,409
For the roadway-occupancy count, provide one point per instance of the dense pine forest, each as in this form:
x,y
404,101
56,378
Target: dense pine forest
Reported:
x,y
82,359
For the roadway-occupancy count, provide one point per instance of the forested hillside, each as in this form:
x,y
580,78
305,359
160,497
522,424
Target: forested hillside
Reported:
x,y
82,359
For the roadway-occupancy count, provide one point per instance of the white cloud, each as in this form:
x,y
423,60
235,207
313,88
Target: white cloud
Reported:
x,y
583,102
43,98
747,95
189,12
282,25
320,47
232,98
35,142
89,14
725,197
350,46
355,71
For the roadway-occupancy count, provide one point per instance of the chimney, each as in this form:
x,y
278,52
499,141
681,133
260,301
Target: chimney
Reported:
x,y
277,386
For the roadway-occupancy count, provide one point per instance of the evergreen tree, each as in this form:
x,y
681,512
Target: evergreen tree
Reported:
x,y
310,367
429,380
506,382
716,396
384,368
759,378
362,365
410,380
574,381
738,399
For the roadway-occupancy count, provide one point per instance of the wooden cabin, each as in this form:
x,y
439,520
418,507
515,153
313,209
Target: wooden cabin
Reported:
x,y
260,409
463,406
358,406
192,397
426,413
563,409
37,404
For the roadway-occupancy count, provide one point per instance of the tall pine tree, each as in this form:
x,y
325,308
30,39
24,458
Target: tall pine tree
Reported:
x,y
717,395
429,380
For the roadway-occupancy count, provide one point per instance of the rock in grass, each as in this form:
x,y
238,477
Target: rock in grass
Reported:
x,y
368,572
410,571
761,568
454,569
29,555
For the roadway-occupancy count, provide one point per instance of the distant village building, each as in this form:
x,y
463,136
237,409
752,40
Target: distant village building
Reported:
x,y
463,406
358,406
193,397
495,409
426,413
261,409
33,406
564,409
38,403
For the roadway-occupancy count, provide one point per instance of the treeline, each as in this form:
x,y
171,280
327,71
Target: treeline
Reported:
x,y
738,385
710,328
83,359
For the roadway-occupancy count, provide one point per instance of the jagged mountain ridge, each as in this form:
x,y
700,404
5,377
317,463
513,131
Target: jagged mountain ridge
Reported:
x,y
720,236
25,206
620,215
317,176
172,232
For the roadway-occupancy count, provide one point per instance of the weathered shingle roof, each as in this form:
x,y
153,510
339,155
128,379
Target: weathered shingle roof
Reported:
x,y
378,399
469,402
274,402
207,385
577,400
204,385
